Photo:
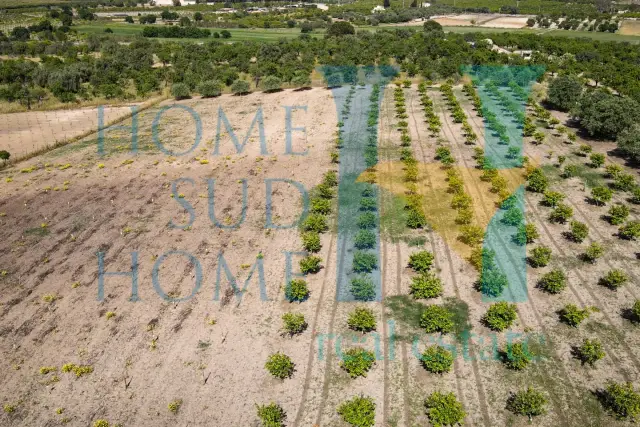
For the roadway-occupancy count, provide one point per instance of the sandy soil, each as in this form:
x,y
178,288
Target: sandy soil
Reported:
x,y
629,27
70,203
25,133
507,22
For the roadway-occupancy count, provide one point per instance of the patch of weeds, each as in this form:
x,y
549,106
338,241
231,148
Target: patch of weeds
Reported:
x,y
405,309
110,314
37,231
79,370
174,406
415,241
46,369
460,316
49,298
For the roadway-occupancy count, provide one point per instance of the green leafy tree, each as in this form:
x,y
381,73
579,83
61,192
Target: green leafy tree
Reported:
x,y
271,415
572,315
210,88
540,256
527,233
339,29
537,181
311,241
359,411
516,356
601,195
629,141
605,115
597,160
421,262
4,156
272,84
630,231
364,262
180,91
614,279
310,264
552,198
362,319
315,223
529,402
363,288
618,214
564,92
240,87
500,316
280,366
624,182
437,359
444,409
426,285
589,352
579,231
561,213
621,401
553,282
357,362
296,290
365,239
593,252
436,318
293,323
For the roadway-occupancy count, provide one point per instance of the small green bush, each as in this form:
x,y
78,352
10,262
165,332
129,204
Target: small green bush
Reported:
x,y
492,280
271,415
597,160
365,239
320,206
315,222
624,182
240,87
540,256
416,218
180,91
426,285
500,316
572,315
310,264
358,412
537,181
635,197
436,318
561,213
553,282
601,195
368,204
614,279
593,252
527,402
444,409
437,359
271,84
311,241
421,261
324,191
210,88
630,230
570,171
579,231
590,352
513,217
621,401
618,214
635,311
363,289
516,356
552,198
293,323
362,319
280,365
527,233
364,262
357,362
296,290
367,220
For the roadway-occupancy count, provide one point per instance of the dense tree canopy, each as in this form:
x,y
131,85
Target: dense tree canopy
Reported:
x,y
564,92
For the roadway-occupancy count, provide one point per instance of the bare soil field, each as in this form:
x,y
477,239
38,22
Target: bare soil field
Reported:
x,y
186,216
33,131
630,27
483,20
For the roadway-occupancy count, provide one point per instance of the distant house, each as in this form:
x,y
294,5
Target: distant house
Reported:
x,y
377,9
